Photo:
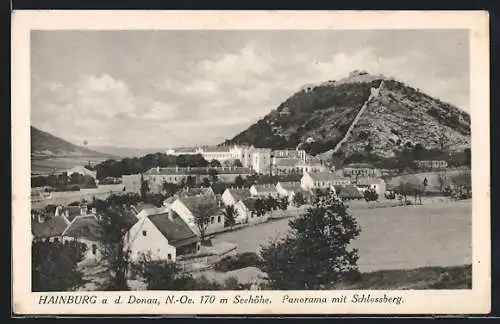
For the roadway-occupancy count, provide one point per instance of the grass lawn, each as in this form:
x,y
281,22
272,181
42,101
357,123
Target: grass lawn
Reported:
x,y
435,234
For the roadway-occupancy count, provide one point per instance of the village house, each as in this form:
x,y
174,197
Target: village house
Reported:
x,y
232,195
322,180
83,171
289,189
431,164
132,183
263,190
377,184
349,192
355,170
245,210
312,165
281,166
84,229
188,207
163,235
261,160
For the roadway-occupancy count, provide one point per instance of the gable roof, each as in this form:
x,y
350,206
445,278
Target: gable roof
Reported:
x,y
240,194
86,227
265,188
54,226
195,192
73,212
290,185
141,206
325,176
174,229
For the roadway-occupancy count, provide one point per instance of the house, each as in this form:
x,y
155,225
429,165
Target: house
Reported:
x,y
84,229
312,165
263,190
355,170
82,170
322,180
294,154
431,164
245,211
132,183
377,184
188,208
189,192
163,235
285,166
232,195
71,212
261,160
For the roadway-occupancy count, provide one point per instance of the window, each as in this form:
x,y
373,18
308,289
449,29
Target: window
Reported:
x,y
169,256
144,233
212,219
218,219
94,249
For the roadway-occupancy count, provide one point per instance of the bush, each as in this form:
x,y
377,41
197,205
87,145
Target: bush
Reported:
x,y
239,261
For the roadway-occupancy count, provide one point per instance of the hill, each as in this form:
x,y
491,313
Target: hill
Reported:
x,y
45,145
361,113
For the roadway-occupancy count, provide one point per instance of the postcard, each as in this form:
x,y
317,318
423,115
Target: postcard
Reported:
x,y
250,162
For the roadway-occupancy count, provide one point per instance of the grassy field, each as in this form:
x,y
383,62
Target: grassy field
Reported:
x,y
435,234
41,166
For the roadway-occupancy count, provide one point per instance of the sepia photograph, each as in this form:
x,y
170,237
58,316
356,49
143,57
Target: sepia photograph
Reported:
x,y
252,160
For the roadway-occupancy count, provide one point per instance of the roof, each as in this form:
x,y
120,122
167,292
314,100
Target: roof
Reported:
x,y
349,192
264,188
290,186
174,229
366,181
240,194
141,206
287,162
325,176
215,149
73,212
86,227
54,226
360,165
195,192
209,202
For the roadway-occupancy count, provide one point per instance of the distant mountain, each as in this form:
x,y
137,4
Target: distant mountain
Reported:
x,y
362,112
125,151
45,145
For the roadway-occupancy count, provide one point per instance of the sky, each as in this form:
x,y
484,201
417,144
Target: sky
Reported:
x,y
160,89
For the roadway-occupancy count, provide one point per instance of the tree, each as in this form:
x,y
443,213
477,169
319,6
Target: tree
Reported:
x,y
298,199
371,195
116,258
215,163
205,183
315,253
213,175
260,207
237,163
190,182
283,203
442,139
239,182
169,188
54,266
202,212
144,187
229,216
462,185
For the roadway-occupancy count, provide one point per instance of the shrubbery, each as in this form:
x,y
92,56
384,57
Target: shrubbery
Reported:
x,y
239,261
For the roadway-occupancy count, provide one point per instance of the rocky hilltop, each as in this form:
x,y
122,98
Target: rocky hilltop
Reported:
x,y
362,112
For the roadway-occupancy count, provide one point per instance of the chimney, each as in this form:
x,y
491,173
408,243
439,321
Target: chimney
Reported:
x,y
176,168
83,209
158,169
94,210
40,218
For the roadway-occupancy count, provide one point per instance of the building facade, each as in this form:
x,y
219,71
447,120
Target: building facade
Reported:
x,y
431,164
322,180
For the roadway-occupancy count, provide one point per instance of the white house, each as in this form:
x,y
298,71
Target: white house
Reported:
x,y
288,189
245,210
322,180
83,171
263,190
187,207
162,235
